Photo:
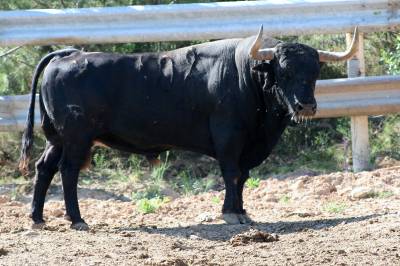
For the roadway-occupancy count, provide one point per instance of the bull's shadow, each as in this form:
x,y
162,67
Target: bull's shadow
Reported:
x,y
223,232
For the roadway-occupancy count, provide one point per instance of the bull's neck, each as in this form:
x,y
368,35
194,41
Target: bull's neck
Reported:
x,y
256,85
268,104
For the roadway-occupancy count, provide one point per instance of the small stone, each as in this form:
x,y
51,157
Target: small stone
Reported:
x,y
4,199
304,214
344,192
299,184
325,189
271,198
341,252
205,217
3,252
194,237
361,193
57,213
38,226
143,256
15,204
30,233
126,234
178,245
179,262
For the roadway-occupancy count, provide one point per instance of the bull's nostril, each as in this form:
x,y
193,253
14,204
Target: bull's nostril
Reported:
x,y
299,107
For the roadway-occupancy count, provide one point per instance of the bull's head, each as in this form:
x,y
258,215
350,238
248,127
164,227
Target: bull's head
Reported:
x,y
295,69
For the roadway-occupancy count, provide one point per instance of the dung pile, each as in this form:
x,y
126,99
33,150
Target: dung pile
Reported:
x,y
252,236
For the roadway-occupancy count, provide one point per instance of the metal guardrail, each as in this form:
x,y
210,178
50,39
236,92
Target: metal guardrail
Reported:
x,y
335,97
373,95
199,21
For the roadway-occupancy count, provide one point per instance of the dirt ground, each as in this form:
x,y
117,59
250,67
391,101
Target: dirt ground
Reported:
x,y
333,219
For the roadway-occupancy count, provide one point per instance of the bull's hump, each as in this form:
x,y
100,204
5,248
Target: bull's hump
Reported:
x,y
209,48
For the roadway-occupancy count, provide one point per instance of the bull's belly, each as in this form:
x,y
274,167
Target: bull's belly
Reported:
x,y
155,137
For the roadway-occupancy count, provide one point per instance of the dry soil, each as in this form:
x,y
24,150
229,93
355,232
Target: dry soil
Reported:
x,y
334,219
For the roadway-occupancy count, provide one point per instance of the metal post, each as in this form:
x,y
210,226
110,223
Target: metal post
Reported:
x,y
359,124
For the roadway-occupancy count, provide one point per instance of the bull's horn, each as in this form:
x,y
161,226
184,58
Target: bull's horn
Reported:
x,y
256,53
325,56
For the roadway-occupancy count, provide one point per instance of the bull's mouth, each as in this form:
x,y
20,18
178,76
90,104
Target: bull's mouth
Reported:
x,y
303,115
300,118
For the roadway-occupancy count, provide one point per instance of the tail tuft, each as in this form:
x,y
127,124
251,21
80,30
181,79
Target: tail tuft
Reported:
x,y
27,143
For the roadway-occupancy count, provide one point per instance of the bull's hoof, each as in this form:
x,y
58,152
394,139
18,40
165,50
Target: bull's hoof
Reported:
x,y
235,218
80,226
38,226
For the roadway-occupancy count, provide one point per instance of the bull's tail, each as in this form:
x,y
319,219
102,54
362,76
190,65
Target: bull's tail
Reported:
x,y
27,138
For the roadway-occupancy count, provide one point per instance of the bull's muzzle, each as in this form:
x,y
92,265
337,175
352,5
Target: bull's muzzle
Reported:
x,y
305,109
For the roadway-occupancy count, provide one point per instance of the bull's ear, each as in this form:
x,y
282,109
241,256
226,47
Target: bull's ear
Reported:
x,y
263,67
265,73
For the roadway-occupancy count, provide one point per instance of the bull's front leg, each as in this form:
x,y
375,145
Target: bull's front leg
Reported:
x,y
232,210
228,141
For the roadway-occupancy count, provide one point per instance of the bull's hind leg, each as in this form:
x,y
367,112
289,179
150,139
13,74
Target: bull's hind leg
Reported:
x,y
73,159
76,141
46,167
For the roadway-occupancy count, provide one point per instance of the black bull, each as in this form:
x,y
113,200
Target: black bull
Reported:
x,y
228,99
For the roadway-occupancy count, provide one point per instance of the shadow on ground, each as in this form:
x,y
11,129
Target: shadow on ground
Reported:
x,y
223,232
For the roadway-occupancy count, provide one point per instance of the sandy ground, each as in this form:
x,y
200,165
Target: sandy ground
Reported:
x,y
334,219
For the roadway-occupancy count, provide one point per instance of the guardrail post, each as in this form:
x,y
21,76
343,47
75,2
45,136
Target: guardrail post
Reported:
x,y
359,124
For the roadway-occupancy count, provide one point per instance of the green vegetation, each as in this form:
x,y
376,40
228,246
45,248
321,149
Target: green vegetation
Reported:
x,y
188,184
216,200
284,199
253,182
380,194
149,205
384,194
14,194
387,137
391,56
334,207
158,172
